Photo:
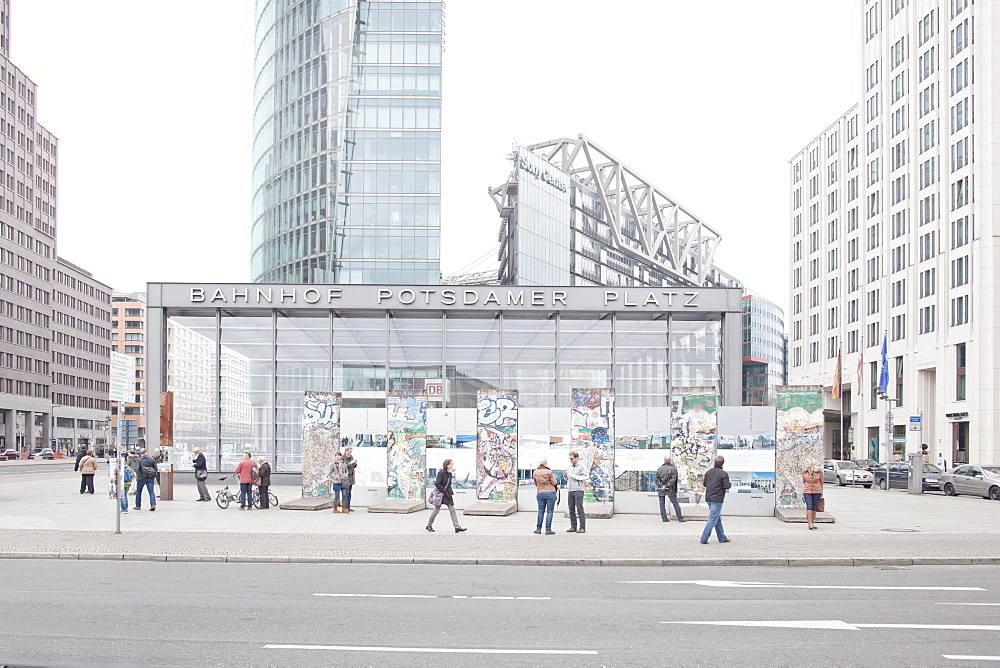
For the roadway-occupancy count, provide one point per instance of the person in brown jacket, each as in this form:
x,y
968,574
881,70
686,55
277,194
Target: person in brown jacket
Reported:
x,y
812,489
88,467
545,486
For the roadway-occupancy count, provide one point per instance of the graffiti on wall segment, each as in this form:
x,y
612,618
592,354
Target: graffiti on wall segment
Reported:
x,y
592,435
320,440
406,419
799,437
496,445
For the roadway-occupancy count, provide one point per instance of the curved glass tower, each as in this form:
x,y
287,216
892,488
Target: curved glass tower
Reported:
x,y
347,142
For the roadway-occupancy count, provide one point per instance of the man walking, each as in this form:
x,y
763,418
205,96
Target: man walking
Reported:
x,y
666,487
145,477
577,475
716,483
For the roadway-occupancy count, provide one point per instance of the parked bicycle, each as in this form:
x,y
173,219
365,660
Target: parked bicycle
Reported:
x,y
225,496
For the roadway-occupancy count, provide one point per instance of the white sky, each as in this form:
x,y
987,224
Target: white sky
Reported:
x,y
152,105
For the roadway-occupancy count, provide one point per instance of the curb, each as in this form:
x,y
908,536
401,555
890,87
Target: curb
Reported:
x,y
488,561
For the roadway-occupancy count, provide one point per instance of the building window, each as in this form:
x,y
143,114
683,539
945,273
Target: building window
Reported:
x,y
960,232
960,372
873,302
832,347
960,310
873,376
898,289
814,351
960,271
927,282
898,327
899,381
852,341
926,316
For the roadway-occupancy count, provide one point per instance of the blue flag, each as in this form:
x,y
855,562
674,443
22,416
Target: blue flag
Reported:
x,y
883,376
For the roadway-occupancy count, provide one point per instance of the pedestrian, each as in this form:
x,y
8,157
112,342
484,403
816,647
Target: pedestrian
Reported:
x,y
132,461
545,495
80,454
159,459
246,469
88,467
443,484
128,475
264,471
666,488
201,475
145,476
812,489
576,476
351,464
337,475
716,482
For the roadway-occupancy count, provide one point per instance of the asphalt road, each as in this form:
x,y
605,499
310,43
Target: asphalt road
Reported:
x,y
74,612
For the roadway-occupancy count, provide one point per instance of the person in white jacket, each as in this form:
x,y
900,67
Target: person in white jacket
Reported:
x,y
576,476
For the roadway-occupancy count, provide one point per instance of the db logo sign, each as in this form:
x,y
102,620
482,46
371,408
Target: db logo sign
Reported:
x,y
434,389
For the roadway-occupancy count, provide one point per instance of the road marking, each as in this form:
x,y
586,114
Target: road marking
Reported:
x,y
838,625
432,650
779,585
970,657
490,598
967,604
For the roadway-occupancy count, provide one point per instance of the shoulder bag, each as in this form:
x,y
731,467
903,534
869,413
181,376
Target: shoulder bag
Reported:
x,y
821,506
437,498
201,474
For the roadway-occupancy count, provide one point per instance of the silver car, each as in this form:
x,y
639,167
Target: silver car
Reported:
x,y
981,481
845,472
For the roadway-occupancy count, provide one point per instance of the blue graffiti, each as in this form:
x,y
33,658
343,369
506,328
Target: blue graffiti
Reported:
x,y
500,413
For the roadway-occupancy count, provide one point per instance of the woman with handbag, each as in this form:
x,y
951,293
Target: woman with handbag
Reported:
x,y
545,494
338,478
812,490
444,496
201,475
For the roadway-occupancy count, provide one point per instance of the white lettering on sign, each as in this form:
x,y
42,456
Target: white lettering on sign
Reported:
x,y
542,174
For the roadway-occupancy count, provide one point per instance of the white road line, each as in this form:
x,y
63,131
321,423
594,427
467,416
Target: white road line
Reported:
x,y
779,585
490,598
970,657
431,650
967,604
838,625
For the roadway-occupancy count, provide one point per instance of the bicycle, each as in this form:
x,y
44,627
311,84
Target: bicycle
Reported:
x,y
224,496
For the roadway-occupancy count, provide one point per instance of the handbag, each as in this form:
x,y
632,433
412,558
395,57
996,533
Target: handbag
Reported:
x,y
201,474
437,498
821,506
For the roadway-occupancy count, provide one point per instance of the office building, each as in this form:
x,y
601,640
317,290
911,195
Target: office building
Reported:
x,y
128,337
892,210
574,214
347,142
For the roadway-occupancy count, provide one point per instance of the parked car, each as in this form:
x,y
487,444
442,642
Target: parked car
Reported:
x,y
845,472
899,476
45,453
10,454
867,464
971,479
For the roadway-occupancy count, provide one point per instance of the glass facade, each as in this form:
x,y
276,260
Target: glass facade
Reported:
x,y
347,142
763,350
239,375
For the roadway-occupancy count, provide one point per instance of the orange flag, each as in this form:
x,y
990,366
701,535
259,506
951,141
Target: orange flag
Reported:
x,y
836,379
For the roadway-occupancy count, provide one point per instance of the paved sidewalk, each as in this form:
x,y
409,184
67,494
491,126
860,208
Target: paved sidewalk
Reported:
x,y
42,515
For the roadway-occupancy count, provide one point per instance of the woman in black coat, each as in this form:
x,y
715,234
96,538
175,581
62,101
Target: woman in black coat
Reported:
x,y
443,485
264,471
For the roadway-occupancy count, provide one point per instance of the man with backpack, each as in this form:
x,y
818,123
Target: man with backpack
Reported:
x,y
145,476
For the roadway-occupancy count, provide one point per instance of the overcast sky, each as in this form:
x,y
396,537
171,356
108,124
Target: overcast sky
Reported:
x,y
152,105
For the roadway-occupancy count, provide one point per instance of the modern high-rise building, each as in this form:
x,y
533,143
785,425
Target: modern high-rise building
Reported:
x,y
347,142
573,214
129,338
892,232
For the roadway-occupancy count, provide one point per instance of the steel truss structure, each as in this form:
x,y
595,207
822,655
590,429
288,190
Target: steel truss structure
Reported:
x,y
644,222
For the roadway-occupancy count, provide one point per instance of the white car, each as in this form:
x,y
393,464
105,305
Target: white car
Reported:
x,y
845,472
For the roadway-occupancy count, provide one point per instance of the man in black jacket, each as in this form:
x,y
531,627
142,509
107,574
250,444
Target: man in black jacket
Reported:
x,y
716,483
666,487
145,475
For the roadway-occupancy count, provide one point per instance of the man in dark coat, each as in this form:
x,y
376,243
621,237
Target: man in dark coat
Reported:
x,y
666,487
264,480
716,483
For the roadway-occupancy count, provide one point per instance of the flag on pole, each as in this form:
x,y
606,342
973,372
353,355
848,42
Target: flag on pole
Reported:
x,y
861,374
883,376
835,393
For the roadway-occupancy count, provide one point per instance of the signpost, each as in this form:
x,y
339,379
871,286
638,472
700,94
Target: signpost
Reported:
x,y
915,422
122,383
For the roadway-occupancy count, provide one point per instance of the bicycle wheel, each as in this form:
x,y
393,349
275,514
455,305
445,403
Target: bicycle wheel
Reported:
x,y
272,499
222,499
255,498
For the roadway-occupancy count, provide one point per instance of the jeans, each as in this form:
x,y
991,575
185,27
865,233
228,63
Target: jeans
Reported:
x,y
337,494
145,484
246,495
124,499
347,495
714,521
546,506
576,510
664,515
87,483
